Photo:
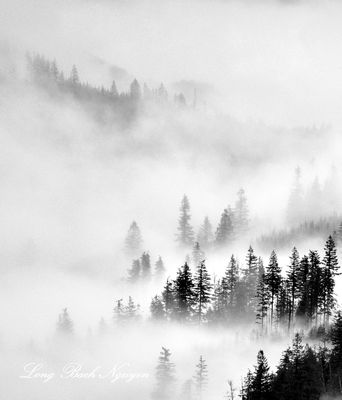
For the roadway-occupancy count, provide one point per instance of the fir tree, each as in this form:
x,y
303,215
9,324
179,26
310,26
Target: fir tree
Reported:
x,y
241,212
293,276
251,278
159,267
184,293
74,78
273,280
185,234
64,324
330,263
201,377
113,90
145,265
263,302
224,231
157,308
133,240
134,271
205,235
168,296
164,377
261,380
135,90
197,254
202,288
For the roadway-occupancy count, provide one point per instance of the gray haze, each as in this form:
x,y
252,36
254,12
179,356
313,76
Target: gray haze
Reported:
x,y
268,80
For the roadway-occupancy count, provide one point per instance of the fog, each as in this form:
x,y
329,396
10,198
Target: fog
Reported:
x,y
261,82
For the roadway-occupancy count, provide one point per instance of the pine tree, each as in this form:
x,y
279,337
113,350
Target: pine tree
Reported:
x,y
119,311
202,289
197,254
224,231
74,78
185,236
184,293
157,308
303,288
164,376
231,280
168,296
145,265
159,268
201,377
241,212
131,310
273,280
261,379
251,278
135,90
330,263
113,90
263,302
205,235
315,294
64,324
293,276
133,240
134,271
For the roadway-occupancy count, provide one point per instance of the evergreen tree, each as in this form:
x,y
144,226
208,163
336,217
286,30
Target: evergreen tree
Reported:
x,y
113,90
241,212
64,324
168,297
134,271
160,268
145,265
201,377
74,78
205,235
224,231
135,90
273,280
263,302
197,254
157,308
251,278
231,280
164,376
186,235
184,293
330,263
261,379
293,276
202,289
133,240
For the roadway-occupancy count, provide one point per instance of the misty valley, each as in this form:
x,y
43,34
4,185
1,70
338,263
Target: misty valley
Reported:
x,y
171,200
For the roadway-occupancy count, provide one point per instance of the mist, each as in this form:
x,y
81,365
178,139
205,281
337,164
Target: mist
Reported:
x,y
260,82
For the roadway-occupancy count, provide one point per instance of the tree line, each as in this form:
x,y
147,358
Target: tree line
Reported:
x,y
303,373
303,295
47,74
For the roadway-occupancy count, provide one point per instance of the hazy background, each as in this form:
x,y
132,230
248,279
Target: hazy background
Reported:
x,y
268,79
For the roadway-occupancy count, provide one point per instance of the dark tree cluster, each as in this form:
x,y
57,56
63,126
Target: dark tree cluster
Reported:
x,y
233,224
304,295
303,373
